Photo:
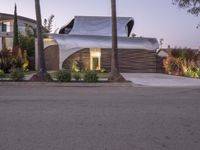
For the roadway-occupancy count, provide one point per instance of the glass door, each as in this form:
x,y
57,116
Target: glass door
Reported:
x,y
95,59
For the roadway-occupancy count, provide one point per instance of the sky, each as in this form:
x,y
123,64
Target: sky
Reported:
x,y
153,18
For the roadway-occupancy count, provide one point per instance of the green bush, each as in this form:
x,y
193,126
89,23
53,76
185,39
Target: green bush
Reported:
x,y
77,66
63,76
103,70
5,60
181,62
77,76
90,76
198,72
2,74
17,74
193,73
27,43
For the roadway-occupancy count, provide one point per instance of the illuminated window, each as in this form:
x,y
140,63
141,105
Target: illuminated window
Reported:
x,y
95,59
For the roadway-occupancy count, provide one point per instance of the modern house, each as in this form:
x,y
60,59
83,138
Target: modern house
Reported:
x,y
6,28
87,39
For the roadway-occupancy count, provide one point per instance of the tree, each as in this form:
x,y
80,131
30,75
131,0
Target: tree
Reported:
x,y
42,75
48,23
27,42
115,74
15,30
192,6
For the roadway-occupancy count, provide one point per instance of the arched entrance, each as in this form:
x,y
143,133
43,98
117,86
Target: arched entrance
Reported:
x,y
80,58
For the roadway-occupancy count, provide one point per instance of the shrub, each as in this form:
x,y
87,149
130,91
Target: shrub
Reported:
x,y
77,66
103,70
77,76
27,43
170,65
90,76
63,76
8,61
17,62
2,74
5,60
198,72
181,62
193,73
17,74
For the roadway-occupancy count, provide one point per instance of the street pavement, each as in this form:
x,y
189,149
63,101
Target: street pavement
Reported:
x,y
99,118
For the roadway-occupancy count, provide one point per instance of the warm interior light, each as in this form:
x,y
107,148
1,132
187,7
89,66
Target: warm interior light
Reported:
x,y
95,58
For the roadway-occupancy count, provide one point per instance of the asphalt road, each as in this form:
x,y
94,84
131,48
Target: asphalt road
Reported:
x,y
99,118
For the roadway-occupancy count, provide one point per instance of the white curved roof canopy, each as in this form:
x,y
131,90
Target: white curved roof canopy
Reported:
x,y
100,26
85,41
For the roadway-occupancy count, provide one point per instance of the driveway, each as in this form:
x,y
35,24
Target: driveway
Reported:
x,y
160,80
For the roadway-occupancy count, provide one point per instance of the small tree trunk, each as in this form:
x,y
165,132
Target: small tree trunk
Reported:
x,y
3,43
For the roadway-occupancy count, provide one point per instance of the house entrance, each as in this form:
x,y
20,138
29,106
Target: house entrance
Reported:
x,y
95,59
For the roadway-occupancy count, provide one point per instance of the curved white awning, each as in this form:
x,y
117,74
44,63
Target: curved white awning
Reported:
x,y
98,26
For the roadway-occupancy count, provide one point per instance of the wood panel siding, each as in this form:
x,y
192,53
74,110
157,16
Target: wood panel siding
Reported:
x,y
131,61
52,57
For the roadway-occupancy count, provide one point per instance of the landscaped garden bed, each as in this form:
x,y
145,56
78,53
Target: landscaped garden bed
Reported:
x,y
15,67
182,62
57,76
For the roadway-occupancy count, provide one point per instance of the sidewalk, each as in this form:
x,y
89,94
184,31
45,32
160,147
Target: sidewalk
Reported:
x,y
136,79
65,84
160,80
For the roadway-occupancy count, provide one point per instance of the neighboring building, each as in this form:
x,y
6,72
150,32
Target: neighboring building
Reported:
x,y
89,40
6,28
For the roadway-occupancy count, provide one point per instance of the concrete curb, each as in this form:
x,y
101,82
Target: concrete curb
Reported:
x,y
70,84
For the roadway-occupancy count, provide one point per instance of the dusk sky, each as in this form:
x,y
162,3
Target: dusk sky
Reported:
x,y
153,18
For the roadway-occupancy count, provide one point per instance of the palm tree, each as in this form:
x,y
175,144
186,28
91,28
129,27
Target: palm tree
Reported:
x,y
115,74
42,75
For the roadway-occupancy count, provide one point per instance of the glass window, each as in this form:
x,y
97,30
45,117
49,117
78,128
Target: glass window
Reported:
x,y
95,59
6,26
